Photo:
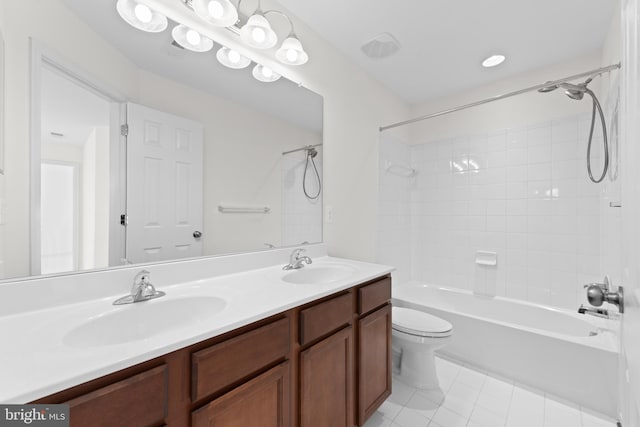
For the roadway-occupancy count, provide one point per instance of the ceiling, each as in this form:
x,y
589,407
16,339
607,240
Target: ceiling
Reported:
x,y
444,41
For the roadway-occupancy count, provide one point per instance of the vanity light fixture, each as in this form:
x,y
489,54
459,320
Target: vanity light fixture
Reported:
x,y
190,39
231,58
291,51
141,16
220,13
493,61
257,32
265,74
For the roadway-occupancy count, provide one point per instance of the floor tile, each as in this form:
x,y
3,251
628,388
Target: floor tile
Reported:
x,y
436,396
498,388
423,405
476,399
411,418
498,406
559,414
377,420
471,378
484,418
389,409
448,418
401,392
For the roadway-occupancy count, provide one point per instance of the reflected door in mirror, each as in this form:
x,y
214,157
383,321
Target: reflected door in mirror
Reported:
x,y
164,186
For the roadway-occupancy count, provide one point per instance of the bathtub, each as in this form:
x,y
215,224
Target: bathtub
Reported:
x,y
568,355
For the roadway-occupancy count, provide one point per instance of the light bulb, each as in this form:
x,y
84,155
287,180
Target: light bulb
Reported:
x,y
234,57
267,72
193,37
215,9
259,35
292,55
143,13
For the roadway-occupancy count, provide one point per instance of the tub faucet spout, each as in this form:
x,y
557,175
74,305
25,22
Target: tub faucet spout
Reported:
x,y
598,312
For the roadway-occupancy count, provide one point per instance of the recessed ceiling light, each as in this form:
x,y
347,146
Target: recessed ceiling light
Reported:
x,y
493,60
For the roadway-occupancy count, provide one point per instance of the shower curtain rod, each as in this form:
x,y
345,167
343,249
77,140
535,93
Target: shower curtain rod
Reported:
x,y
306,147
591,73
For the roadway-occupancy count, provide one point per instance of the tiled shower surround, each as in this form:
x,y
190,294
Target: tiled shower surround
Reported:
x,y
522,193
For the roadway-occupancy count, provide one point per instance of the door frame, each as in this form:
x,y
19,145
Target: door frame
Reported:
x,y
44,57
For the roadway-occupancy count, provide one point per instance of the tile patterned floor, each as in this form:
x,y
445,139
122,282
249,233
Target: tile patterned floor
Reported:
x,y
474,399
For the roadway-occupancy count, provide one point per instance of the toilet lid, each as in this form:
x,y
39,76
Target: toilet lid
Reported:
x,y
419,323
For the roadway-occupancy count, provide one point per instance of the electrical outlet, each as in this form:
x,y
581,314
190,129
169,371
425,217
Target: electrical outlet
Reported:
x,y
328,215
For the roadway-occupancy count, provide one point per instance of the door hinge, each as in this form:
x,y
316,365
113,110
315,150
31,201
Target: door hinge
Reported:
x,y
124,220
124,130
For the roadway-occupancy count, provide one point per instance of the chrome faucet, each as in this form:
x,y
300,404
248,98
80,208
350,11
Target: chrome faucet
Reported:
x,y
142,290
598,293
296,261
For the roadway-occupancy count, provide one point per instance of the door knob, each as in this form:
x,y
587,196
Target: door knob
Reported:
x,y
197,234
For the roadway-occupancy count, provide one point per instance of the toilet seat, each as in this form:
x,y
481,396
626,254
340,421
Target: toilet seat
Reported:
x,y
418,323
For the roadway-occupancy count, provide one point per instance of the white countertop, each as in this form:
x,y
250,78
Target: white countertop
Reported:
x,y
35,361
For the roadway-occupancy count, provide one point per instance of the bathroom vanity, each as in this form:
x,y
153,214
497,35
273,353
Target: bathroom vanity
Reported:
x,y
326,362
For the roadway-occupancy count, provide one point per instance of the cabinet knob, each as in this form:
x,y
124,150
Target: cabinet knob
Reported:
x,y
197,234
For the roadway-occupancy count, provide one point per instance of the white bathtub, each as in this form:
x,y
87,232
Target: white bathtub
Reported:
x,y
550,349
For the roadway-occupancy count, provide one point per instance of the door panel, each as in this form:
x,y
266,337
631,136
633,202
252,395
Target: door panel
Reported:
x,y
164,185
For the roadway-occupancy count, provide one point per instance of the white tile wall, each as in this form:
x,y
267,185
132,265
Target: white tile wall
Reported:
x,y
522,192
301,216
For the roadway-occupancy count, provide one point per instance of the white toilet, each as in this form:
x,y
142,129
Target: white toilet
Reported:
x,y
416,335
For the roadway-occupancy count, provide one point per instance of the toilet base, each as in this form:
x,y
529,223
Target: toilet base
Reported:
x,y
418,369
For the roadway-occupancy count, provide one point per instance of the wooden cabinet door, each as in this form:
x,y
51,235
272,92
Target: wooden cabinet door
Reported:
x,y
374,358
262,402
140,400
326,382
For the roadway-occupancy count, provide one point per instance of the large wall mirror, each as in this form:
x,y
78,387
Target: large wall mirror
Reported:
x,y
211,161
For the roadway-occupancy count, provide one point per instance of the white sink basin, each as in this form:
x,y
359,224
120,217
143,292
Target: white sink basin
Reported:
x,y
142,320
319,274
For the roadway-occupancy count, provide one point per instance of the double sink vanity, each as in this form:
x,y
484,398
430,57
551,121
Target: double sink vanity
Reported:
x,y
245,346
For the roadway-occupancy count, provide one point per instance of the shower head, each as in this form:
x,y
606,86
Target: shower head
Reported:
x,y
573,91
548,88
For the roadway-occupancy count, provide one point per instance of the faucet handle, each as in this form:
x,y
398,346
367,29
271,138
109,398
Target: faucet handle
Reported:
x,y
606,282
142,278
296,253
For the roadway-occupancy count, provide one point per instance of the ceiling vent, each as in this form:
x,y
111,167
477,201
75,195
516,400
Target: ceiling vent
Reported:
x,y
381,46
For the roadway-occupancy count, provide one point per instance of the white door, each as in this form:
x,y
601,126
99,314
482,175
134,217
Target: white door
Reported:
x,y
164,186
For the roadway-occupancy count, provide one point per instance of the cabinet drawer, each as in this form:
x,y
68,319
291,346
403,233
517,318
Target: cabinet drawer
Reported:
x,y
140,400
237,358
262,401
374,295
325,317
